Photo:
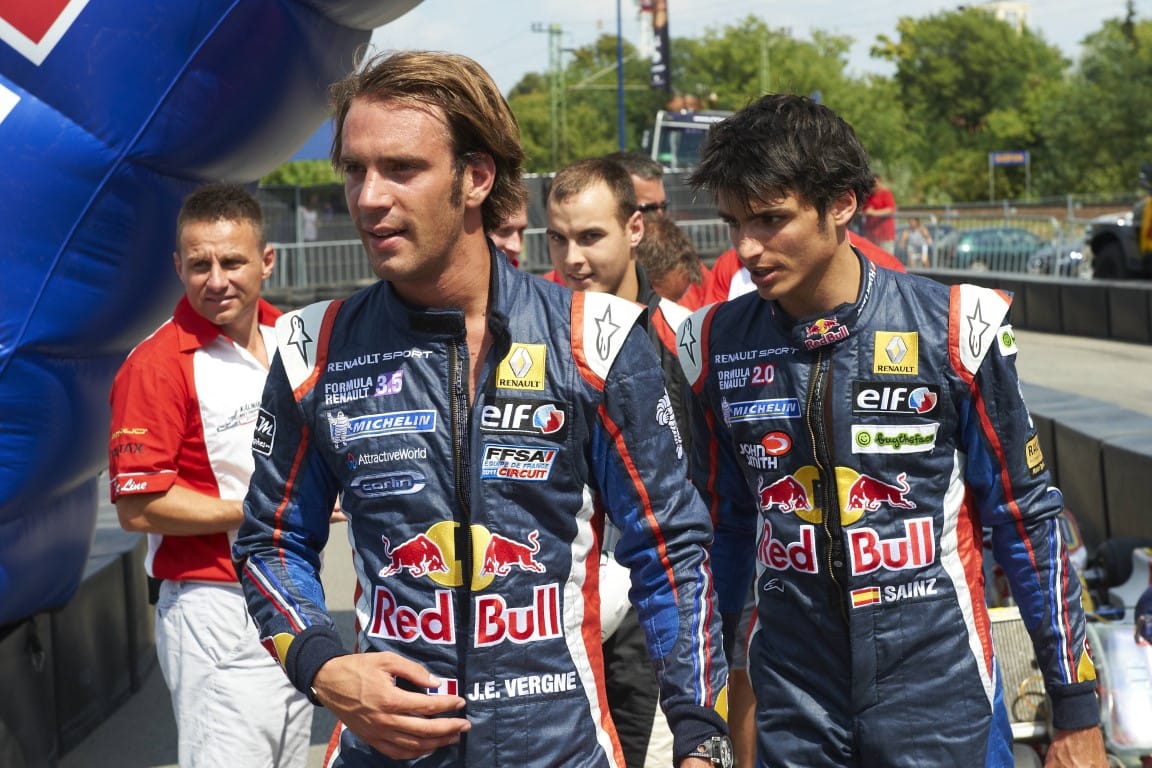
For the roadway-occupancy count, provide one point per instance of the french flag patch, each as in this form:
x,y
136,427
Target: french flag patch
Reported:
x,y
447,687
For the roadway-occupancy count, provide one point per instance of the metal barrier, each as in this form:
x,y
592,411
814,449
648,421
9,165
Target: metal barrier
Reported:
x,y
1006,242
709,236
309,265
990,244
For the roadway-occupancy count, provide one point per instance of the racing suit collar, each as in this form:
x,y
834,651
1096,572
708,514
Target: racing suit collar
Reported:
x,y
448,321
835,326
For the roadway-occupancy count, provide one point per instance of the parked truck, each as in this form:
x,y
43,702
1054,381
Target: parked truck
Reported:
x,y
677,136
1122,246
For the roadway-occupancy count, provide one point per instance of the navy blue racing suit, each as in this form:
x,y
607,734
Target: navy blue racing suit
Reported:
x,y
851,461
476,526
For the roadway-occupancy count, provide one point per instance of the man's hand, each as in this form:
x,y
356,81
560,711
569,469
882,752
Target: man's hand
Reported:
x,y
695,762
361,691
1076,749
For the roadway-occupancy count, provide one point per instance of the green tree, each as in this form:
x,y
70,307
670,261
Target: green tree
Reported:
x,y
302,173
1099,123
964,78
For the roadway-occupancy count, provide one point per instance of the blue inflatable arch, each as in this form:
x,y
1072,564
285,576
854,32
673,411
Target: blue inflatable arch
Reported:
x,y
111,111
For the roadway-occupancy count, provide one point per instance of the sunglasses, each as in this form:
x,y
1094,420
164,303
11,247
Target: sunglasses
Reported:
x,y
653,207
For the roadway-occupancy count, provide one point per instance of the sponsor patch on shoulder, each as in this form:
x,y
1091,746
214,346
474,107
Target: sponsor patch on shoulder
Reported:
x,y
1006,338
1034,456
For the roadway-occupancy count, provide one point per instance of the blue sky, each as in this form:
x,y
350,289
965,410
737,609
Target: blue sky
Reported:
x,y
499,35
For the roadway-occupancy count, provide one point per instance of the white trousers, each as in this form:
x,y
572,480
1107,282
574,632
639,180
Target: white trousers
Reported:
x,y
233,703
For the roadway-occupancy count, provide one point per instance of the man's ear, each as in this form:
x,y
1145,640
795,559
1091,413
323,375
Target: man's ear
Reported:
x,y
635,228
268,262
480,175
842,208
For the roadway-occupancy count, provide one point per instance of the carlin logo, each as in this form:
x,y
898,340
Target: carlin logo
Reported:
x,y
522,463
776,443
896,353
523,368
388,484
432,555
524,417
265,434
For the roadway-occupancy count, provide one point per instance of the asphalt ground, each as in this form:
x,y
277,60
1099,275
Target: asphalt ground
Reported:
x,y
142,732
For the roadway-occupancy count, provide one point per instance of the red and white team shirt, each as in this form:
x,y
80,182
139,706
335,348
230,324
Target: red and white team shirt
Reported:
x,y
184,407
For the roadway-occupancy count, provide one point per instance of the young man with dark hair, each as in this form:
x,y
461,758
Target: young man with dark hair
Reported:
x,y
855,429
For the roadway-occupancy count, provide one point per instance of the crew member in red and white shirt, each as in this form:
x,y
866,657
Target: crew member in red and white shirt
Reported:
x,y
185,407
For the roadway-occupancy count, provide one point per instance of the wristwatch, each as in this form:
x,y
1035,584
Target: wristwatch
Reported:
x,y
717,750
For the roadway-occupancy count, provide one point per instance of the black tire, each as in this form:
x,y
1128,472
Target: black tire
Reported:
x,y
1114,558
1108,262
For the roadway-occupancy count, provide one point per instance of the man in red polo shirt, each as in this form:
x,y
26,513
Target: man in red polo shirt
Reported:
x,y
185,407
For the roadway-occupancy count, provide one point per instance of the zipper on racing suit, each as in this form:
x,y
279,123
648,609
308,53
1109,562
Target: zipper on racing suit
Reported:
x,y
816,416
460,410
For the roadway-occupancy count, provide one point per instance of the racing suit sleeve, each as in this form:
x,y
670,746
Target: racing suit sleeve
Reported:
x,y
286,525
716,473
639,467
1013,492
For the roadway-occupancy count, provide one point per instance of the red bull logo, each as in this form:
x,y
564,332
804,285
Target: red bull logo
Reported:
x,y
867,493
419,556
395,621
496,621
788,556
826,330
915,549
503,554
786,493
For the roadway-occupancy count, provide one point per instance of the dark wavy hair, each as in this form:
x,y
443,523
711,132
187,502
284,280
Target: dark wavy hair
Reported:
x,y
783,143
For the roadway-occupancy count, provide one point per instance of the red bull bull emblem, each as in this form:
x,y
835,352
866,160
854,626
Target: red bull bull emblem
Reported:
x,y
786,493
867,493
419,556
826,330
503,554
